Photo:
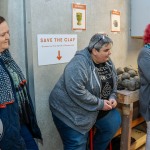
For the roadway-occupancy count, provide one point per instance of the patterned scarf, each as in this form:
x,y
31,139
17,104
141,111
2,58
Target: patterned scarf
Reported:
x,y
6,92
19,83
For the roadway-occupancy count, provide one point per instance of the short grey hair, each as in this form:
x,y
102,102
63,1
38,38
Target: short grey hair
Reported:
x,y
98,41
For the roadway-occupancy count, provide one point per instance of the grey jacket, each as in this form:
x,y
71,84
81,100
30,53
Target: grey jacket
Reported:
x,y
144,72
76,97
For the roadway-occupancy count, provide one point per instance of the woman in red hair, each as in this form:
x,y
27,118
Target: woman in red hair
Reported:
x,y
146,37
144,72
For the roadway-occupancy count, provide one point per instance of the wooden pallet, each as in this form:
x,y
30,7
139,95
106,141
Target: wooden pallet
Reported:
x,y
140,138
134,123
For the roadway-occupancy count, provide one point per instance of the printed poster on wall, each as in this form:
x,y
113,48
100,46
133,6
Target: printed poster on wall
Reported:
x,y
78,16
115,21
56,48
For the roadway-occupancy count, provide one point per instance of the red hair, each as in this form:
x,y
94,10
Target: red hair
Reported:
x,y
146,37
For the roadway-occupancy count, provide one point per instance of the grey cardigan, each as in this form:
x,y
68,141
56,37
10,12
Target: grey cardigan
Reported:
x,y
76,97
144,92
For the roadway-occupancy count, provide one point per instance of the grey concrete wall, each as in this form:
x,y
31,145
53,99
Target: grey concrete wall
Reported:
x,y
55,17
12,11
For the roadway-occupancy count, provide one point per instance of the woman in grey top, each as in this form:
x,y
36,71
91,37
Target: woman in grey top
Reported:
x,y
144,72
85,95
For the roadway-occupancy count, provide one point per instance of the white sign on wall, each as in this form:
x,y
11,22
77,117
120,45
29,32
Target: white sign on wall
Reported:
x,y
115,21
56,48
79,16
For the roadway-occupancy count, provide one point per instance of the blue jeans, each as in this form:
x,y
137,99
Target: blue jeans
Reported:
x,y
106,128
72,139
29,140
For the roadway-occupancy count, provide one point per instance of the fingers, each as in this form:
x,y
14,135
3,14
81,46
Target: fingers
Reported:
x,y
113,103
107,105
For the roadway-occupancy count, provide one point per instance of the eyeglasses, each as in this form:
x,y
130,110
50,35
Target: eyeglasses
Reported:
x,y
102,38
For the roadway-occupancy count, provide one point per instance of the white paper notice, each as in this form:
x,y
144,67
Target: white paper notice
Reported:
x,y
115,21
56,48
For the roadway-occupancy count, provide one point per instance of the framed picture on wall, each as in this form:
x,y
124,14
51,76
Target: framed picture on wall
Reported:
x,y
78,16
115,21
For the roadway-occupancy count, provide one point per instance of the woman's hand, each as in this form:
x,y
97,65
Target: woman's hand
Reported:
x,y
113,103
107,105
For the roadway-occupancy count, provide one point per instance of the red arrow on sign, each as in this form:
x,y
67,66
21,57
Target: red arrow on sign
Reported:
x,y
59,57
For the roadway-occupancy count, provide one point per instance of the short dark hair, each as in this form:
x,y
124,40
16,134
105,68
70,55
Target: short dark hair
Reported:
x,y
2,19
146,37
98,40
